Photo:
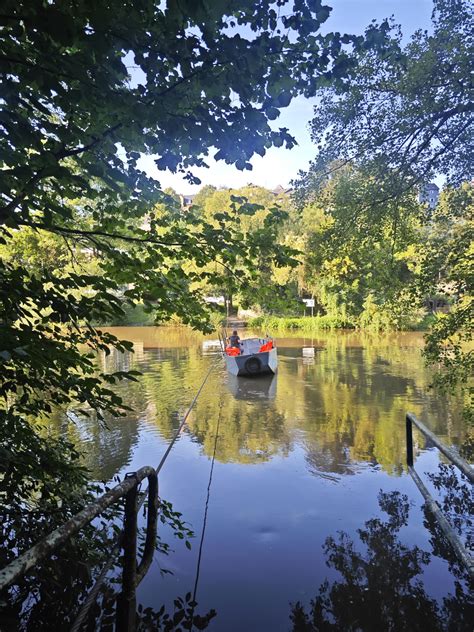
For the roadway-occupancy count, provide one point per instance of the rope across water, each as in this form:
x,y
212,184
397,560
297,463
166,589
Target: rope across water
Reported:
x,y
92,596
206,508
183,422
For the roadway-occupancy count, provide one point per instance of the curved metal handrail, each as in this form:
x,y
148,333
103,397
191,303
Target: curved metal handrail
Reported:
x,y
132,573
51,542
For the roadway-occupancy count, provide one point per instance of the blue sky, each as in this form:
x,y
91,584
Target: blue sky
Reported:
x,y
280,165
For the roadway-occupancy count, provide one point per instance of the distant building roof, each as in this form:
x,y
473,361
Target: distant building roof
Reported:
x,y
187,200
279,190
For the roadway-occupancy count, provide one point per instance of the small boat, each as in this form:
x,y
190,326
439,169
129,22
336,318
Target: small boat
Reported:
x,y
253,356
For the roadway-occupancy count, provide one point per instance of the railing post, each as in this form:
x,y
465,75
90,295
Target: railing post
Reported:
x,y
430,502
151,526
409,429
127,602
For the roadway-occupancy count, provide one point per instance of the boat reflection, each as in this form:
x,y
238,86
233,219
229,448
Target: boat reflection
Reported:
x,y
345,405
252,389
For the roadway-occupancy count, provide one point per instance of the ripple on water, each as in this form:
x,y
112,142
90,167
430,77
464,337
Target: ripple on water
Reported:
x,y
266,534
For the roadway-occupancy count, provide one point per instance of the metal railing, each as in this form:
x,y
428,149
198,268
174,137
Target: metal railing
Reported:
x,y
431,503
132,573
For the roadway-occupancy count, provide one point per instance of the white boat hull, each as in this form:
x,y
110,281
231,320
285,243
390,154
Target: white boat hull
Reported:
x,y
253,364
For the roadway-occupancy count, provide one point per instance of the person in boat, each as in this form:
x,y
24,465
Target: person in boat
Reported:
x,y
234,340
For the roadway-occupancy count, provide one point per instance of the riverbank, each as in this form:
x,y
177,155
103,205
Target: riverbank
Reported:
x,y
317,323
304,323
137,316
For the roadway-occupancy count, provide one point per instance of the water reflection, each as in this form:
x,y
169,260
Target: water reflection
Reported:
x,y
454,495
381,586
252,429
298,456
252,389
346,406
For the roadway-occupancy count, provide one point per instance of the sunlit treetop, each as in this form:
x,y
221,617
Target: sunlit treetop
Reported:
x,y
410,111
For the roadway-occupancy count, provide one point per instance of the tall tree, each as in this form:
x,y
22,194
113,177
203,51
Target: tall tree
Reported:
x,y
446,269
405,116
357,252
261,215
409,111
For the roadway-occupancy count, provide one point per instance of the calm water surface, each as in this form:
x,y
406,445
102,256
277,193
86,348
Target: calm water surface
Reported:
x,y
304,500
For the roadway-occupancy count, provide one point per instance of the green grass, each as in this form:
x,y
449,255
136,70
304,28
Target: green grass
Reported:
x,y
309,324
306,324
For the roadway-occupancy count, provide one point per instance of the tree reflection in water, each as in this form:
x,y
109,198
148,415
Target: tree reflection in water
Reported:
x,y
341,414
381,588
346,409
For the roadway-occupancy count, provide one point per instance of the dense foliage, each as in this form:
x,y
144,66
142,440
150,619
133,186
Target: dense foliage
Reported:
x,y
263,215
86,89
409,112
402,119
447,269
357,265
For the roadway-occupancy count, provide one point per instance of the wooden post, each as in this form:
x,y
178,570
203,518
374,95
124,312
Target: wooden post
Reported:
x,y
127,602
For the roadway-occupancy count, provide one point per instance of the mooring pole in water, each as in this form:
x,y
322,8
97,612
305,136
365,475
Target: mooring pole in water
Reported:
x,y
132,574
461,552
127,601
221,343
409,428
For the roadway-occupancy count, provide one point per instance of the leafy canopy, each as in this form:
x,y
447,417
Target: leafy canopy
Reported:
x,y
353,251
404,117
411,110
86,89
79,79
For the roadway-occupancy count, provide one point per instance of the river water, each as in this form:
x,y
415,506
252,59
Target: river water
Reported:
x,y
309,496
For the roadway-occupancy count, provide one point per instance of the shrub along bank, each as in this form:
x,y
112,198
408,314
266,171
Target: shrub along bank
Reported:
x,y
324,322
308,323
